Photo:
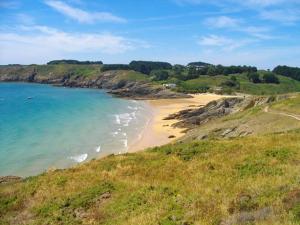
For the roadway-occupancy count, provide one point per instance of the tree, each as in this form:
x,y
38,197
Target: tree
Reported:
x,y
192,73
232,82
159,75
211,71
270,78
292,72
107,67
147,66
254,77
178,69
73,62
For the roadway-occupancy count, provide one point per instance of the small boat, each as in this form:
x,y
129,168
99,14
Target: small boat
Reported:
x,y
29,98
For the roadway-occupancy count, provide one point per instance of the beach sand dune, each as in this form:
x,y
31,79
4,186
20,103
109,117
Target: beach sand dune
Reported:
x,y
159,131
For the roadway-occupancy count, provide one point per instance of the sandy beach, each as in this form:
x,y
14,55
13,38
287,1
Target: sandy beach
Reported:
x,y
158,130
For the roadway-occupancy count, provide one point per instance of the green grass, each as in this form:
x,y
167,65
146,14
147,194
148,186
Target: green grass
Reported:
x,y
196,182
131,75
291,105
68,69
286,85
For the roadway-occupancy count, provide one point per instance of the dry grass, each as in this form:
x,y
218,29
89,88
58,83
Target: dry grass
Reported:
x,y
189,183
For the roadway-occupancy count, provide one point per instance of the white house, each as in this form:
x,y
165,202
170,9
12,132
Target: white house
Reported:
x,y
170,85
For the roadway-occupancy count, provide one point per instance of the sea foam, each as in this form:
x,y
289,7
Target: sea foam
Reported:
x,y
79,158
98,149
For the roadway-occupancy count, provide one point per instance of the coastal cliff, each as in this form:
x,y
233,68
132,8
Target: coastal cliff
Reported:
x,y
122,83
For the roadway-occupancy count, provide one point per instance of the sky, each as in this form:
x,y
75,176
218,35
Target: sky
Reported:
x,y
262,33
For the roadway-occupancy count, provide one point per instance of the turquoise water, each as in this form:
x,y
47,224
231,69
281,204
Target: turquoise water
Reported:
x,y
44,127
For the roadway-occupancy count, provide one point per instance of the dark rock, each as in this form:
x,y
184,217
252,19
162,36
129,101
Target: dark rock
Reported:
x,y
172,136
194,117
248,217
108,80
292,199
8,179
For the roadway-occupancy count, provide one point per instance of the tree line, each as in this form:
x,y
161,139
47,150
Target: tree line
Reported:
x,y
292,72
73,62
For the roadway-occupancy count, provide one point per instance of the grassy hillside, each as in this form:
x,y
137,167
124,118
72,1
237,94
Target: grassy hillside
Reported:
x,y
245,180
91,71
203,83
202,182
258,120
286,85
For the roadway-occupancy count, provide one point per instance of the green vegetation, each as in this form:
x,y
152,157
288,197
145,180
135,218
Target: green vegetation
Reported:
x,y
73,62
159,75
237,180
270,78
130,75
107,67
198,182
197,77
199,64
243,84
290,105
67,70
147,66
292,72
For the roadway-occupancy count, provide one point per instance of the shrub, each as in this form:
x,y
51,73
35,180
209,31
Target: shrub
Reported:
x,y
107,67
159,75
270,78
254,77
147,66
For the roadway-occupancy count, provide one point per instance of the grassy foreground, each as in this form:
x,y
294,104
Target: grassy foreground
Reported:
x,y
199,182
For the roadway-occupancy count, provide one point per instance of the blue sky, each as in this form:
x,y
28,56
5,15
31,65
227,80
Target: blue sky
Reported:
x,y
263,33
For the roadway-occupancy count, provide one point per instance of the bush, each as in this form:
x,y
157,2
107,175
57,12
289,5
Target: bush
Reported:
x,y
147,66
232,82
159,75
254,77
292,72
74,62
270,78
107,67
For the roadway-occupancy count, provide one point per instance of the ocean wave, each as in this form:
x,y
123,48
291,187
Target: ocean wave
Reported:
x,y
118,121
98,149
79,158
125,119
115,133
125,142
133,108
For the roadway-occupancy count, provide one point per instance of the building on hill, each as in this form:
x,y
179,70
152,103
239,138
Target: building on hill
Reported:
x,y
171,85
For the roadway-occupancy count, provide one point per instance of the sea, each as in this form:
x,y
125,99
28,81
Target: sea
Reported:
x,y
44,127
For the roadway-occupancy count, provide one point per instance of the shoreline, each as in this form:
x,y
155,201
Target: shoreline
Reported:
x,y
159,132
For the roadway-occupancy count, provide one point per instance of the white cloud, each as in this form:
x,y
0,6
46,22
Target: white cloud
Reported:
x,y
222,22
225,22
266,58
288,16
40,42
261,3
81,15
223,43
9,4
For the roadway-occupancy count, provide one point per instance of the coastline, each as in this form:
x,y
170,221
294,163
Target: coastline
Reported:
x,y
159,132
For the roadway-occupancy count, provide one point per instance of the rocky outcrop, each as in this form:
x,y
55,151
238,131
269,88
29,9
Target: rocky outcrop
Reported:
x,y
146,91
107,80
194,117
8,179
